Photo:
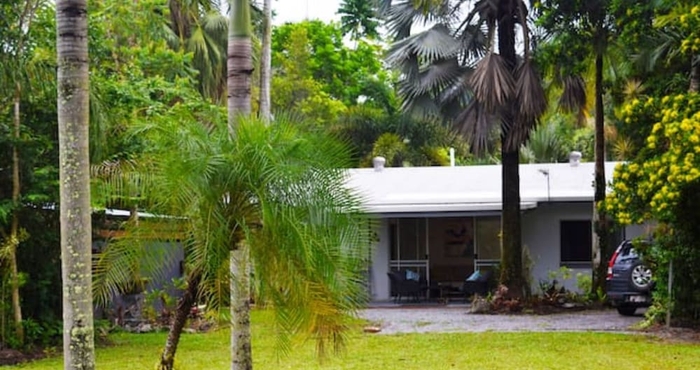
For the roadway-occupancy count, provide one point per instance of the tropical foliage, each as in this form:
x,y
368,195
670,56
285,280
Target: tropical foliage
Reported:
x,y
455,69
315,50
358,18
661,184
464,70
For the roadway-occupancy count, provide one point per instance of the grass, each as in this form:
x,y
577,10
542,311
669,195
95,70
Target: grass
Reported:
x,y
490,350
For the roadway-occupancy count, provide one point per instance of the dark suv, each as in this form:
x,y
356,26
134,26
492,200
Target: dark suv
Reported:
x,y
629,281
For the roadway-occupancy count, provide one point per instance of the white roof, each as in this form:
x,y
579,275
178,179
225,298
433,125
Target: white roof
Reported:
x,y
470,188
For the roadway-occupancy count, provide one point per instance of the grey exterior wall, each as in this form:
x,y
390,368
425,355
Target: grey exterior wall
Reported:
x,y
542,237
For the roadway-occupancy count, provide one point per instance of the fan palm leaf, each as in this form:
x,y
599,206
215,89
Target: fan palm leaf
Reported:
x,y
480,100
492,82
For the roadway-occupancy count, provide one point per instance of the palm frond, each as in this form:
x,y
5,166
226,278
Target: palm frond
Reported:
x,y
402,15
546,145
573,98
434,43
474,42
475,123
532,103
277,191
492,82
119,183
215,25
438,76
140,254
633,89
623,149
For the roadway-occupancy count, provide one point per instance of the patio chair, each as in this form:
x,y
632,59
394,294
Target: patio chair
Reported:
x,y
477,283
402,287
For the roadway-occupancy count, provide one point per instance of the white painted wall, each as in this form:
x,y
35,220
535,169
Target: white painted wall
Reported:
x,y
541,235
380,289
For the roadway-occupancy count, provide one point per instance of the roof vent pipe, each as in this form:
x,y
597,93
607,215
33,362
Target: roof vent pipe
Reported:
x,y
452,157
378,163
574,158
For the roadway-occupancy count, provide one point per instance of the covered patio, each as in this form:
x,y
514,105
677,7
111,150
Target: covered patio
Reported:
x,y
439,225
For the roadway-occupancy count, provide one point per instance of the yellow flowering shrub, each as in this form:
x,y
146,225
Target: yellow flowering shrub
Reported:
x,y
650,186
689,24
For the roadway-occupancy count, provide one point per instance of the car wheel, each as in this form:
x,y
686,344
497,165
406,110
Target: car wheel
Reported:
x,y
641,277
626,310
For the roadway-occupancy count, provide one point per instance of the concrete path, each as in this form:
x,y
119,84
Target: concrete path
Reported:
x,y
458,319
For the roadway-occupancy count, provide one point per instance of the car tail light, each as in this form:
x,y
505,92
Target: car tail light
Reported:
x,y
611,263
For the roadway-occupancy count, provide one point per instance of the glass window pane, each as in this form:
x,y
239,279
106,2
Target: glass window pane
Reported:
x,y
411,239
576,240
488,241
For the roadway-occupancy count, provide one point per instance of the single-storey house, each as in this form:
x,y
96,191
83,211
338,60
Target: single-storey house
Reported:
x,y
443,223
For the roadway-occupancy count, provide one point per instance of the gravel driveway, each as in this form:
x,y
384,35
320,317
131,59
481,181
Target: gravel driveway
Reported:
x,y
446,319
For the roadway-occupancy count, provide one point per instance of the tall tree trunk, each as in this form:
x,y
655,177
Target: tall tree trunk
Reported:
x,y
241,350
74,175
183,309
14,226
511,248
240,67
25,21
694,74
601,228
239,62
265,62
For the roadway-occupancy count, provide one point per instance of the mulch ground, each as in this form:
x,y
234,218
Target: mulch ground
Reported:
x,y
13,357
675,335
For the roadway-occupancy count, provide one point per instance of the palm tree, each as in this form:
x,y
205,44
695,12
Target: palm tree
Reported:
x,y
673,38
240,68
452,71
239,62
76,228
585,30
358,18
273,190
14,76
199,28
266,61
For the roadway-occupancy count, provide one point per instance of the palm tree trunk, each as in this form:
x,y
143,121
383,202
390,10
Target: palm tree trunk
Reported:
x,y
241,350
265,62
694,74
74,175
601,227
239,62
240,67
183,309
511,257
14,226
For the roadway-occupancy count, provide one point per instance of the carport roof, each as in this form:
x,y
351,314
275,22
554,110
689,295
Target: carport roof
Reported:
x,y
470,188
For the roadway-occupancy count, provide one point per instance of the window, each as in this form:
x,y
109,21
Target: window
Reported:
x,y
488,239
407,238
576,242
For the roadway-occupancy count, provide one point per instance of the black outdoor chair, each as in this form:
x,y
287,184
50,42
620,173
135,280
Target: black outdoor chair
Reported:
x,y
402,287
478,285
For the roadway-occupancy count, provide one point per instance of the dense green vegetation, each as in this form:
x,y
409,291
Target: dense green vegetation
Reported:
x,y
621,85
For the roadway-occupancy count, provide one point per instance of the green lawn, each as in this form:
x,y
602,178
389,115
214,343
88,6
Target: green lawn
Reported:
x,y
415,351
